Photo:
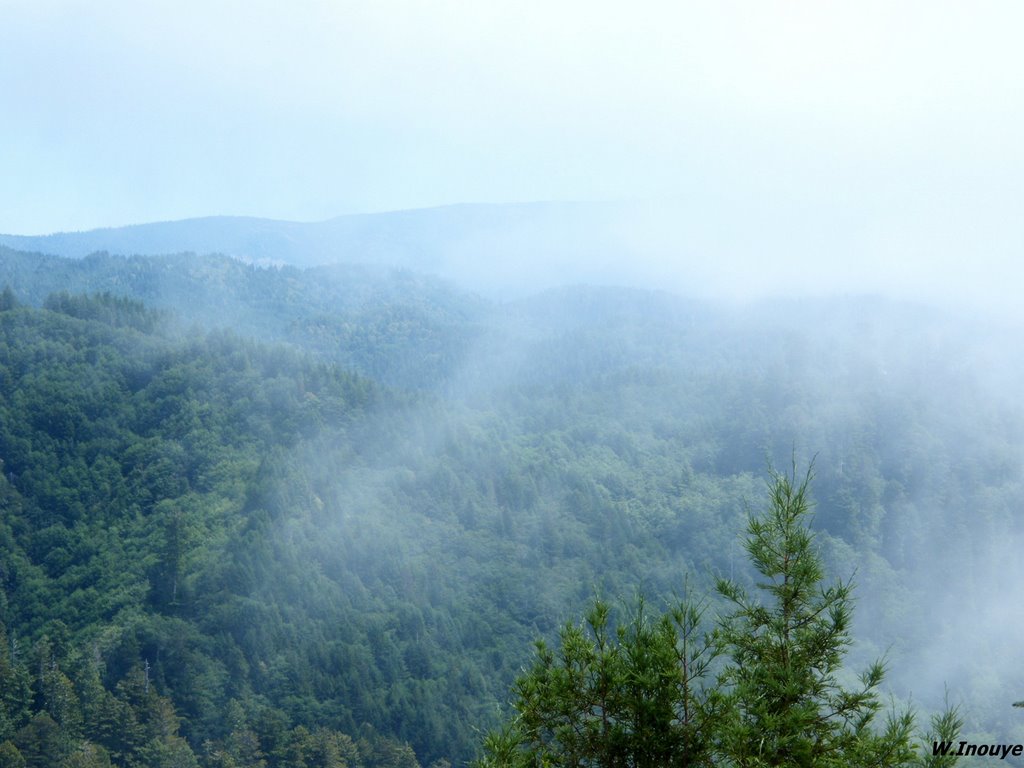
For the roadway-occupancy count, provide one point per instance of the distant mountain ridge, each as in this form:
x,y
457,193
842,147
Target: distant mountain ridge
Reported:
x,y
512,250
483,246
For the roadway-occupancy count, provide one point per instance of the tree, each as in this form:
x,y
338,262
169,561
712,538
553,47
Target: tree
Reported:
x,y
636,696
10,757
785,703
7,299
88,755
628,696
41,742
15,689
618,697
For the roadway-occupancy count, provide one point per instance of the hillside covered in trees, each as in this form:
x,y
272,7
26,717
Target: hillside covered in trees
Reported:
x,y
283,517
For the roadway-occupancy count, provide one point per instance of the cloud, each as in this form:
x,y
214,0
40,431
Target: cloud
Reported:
x,y
133,111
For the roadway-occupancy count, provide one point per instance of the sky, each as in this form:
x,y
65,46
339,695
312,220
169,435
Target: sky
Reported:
x,y
880,130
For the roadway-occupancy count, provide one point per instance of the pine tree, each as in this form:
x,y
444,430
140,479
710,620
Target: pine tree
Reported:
x,y
786,704
7,299
636,696
15,689
626,696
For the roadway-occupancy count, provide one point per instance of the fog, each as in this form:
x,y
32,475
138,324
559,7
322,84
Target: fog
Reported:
x,y
731,150
599,268
527,450
872,113
716,246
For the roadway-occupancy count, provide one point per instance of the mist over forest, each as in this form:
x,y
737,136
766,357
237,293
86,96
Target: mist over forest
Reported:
x,y
448,384
283,494
689,245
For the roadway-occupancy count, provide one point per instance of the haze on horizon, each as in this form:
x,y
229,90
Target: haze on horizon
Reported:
x,y
750,148
862,143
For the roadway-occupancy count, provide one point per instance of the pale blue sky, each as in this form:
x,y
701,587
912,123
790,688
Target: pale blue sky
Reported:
x,y
892,126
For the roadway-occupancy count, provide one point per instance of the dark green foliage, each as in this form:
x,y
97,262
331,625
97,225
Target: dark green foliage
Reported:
x,y
15,688
41,743
785,703
8,300
259,526
629,696
116,311
10,756
396,326
131,462
640,696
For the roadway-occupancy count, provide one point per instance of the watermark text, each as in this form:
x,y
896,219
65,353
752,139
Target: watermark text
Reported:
x,y
969,749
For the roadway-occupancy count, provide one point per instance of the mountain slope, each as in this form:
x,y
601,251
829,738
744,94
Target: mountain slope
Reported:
x,y
287,545
399,327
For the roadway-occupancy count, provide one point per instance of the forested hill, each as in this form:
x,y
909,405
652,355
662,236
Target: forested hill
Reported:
x,y
332,533
133,469
399,327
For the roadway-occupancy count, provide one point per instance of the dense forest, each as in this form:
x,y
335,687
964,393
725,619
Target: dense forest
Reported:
x,y
318,517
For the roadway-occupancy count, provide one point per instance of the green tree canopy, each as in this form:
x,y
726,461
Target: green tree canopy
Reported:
x,y
785,703
637,695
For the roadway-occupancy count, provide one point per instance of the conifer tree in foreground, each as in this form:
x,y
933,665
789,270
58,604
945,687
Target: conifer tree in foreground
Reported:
x,y
786,706
635,696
